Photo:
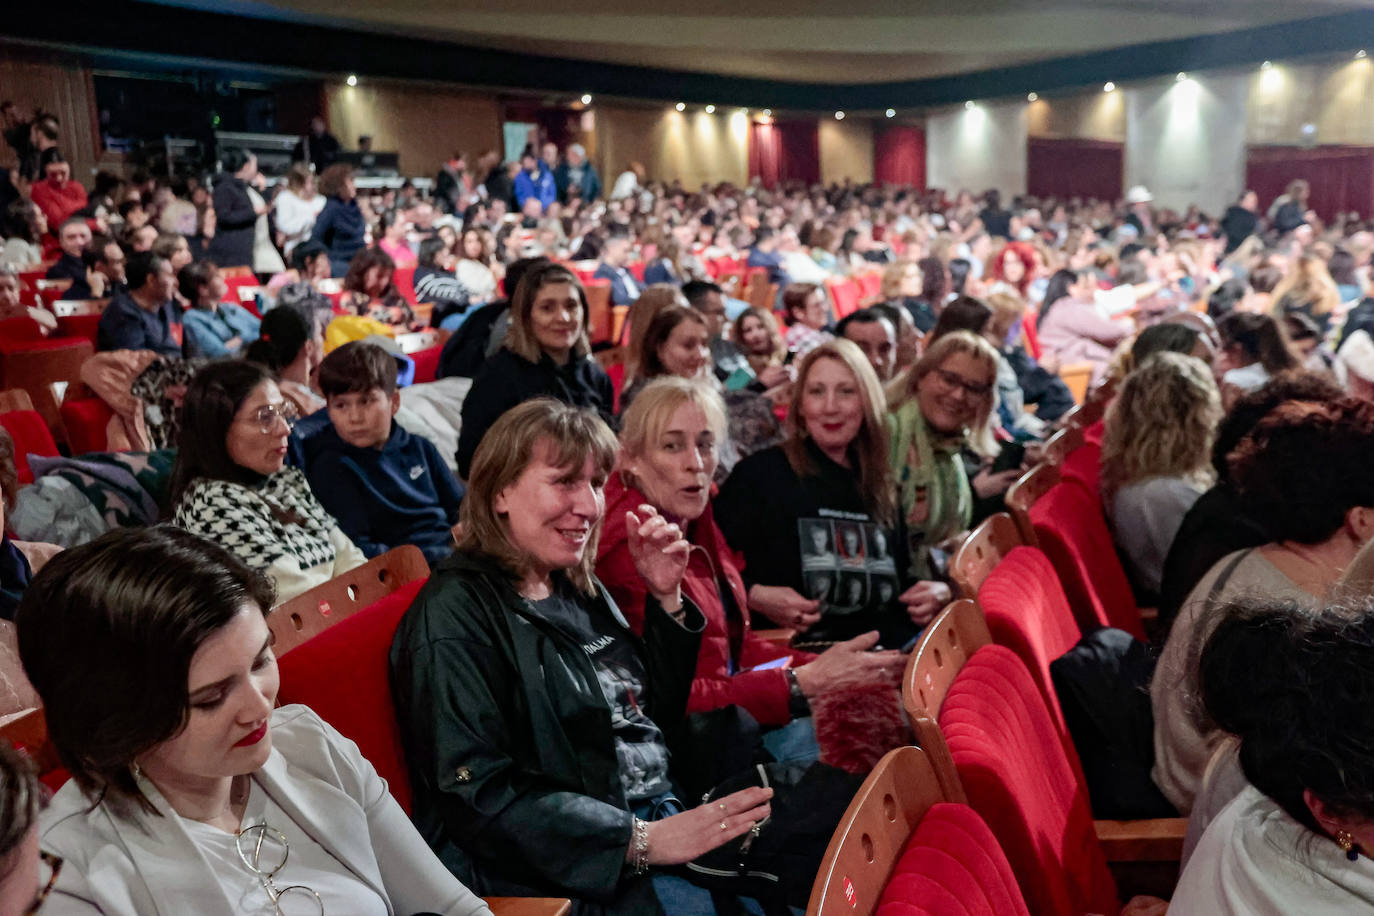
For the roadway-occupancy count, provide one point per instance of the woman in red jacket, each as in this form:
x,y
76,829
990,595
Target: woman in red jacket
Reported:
x,y
668,442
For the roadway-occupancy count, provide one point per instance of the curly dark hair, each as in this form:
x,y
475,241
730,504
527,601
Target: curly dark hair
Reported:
x,y
1305,465
1301,716
1252,406
9,473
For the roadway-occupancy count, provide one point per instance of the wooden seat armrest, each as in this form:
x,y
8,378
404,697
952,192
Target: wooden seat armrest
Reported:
x,y
529,906
779,637
1154,840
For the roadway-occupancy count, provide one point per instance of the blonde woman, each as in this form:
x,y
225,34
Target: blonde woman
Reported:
x,y
758,338
1308,289
946,407
1156,459
815,517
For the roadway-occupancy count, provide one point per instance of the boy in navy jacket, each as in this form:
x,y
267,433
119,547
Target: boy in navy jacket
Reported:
x,y
385,486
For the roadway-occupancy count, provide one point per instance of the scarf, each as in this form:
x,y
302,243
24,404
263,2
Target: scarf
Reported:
x,y
932,489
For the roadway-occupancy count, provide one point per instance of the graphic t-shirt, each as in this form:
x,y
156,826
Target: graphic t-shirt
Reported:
x,y
639,745
816,535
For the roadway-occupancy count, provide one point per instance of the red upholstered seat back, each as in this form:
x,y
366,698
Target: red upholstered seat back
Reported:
x,y
1069,525
426,364
952,866
1017,777
85,326
86,420
344,675
404,280
31,437
1083,464
1027,612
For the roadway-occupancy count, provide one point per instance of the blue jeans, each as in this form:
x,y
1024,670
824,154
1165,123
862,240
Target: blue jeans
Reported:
x,y
794,742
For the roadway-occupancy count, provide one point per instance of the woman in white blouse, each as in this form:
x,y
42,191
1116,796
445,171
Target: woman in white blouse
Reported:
x,y
190,793
296,207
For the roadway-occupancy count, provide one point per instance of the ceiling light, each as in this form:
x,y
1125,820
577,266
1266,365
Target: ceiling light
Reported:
x,y
891,112
710,109
1267,65
680,106
1109,86
968,106
839,116
744,111
352,79
1181,77
586,98
1032,96
768,112
1360,54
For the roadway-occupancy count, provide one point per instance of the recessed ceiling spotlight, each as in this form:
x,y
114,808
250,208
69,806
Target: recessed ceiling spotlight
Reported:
x,y
1180,77
839,116
1109,86
1032,96
1360,54
891,112
968,106
1267,65
768,112
586,98
710,109
680,106
352,79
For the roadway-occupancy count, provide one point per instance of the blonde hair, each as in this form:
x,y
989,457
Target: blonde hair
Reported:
x,y
651,301
644,420
893,275
770,324
520,336
870,445
1308,282
1161,423
540,428
1007,308
980,434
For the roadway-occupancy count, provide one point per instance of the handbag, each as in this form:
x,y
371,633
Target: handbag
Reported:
x,y
776,862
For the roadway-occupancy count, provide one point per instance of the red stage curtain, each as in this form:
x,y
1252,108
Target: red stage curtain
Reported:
x,y
1341,177
784,151
899,156
1066,168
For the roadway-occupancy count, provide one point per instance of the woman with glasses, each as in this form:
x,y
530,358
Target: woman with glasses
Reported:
x,y
190,793
789,510
946,407
231,484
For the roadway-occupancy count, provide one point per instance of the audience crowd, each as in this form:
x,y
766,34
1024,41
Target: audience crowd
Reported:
x,y
615,501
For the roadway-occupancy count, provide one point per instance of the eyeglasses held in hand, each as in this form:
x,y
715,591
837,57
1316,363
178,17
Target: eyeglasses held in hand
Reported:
x,y
265,851
54,864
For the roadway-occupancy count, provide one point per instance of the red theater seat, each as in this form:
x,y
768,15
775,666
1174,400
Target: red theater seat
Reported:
x,y
343,673
952,866
31,437
85,420
1018,778
404,278
1069,525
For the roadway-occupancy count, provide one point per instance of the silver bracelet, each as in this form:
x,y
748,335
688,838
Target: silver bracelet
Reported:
x,y
640,845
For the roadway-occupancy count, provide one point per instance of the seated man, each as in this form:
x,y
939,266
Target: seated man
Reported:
x,y
765,254
107,260
384,486
213,327
616,253
874,334
73,236
146,317
11,307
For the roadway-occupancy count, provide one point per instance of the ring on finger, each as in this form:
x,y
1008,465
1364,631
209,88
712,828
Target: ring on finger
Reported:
x,y
722,826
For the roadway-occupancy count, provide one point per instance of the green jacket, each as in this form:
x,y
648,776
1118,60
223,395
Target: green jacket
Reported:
x,y
509,739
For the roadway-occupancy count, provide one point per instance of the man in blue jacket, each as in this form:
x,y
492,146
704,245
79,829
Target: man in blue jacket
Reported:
x,y
534,180
384,486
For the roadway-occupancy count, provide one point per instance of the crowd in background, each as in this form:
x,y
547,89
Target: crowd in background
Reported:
x,y
785,462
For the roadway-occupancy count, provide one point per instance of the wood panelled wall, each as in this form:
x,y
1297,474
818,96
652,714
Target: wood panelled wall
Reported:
x,y
60,84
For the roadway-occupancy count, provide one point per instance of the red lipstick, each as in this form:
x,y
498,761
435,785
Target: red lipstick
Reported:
x,y
252,737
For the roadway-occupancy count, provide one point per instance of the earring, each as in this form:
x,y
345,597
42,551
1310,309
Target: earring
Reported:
x,y
1348,845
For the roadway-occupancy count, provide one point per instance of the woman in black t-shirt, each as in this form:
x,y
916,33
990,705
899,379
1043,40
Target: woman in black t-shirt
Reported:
x,y
814,517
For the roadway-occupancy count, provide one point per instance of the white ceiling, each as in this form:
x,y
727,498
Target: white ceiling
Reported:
x,y
824,41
